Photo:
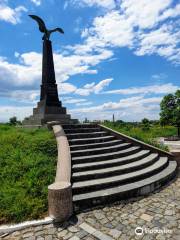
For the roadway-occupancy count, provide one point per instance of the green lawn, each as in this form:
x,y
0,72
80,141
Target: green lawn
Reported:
x,y
27,167
148,136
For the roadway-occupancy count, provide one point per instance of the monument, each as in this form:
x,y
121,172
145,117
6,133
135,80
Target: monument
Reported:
x,y
49,108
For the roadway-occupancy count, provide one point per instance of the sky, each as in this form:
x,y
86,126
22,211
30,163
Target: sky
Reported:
x,y
116,57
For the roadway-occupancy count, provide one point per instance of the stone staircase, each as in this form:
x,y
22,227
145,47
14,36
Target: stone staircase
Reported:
x,y
107,167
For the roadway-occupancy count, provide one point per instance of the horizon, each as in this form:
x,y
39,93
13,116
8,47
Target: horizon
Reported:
x,y
116,57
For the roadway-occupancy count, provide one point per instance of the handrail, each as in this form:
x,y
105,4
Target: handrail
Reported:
x,y
60,192
63,171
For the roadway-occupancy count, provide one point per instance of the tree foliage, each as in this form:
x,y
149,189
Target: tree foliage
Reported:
x,y
170,110
145,124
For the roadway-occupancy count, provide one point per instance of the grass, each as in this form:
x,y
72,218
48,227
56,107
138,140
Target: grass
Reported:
x,y
28,164
148,136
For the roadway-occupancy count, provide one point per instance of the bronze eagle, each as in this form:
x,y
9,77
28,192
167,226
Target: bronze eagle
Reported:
x,y
43,29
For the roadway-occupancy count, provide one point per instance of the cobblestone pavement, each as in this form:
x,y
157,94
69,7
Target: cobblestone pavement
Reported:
x,y
157,214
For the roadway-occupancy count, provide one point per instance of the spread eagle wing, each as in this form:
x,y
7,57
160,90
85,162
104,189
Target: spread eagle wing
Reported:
x,y
57,30
42,26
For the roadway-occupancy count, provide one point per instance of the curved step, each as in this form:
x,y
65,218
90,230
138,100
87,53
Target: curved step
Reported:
x,y
111,163
85,125
82,130
97,184
91,140
100,150
86,135
95,145
112,171
134,189
99,157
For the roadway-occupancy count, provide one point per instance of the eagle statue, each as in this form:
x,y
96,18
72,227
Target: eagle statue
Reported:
x,y
43,29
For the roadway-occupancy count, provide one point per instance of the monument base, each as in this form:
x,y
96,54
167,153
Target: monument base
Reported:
x,y
43,114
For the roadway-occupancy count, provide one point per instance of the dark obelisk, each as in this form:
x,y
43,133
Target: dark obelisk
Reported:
x,y
49,108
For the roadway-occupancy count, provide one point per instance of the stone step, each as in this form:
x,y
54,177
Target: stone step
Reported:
x,y
73,126
102,183
86,135
95,145
129,190
110,163
100,150
90,140
101,157
117,170
81,130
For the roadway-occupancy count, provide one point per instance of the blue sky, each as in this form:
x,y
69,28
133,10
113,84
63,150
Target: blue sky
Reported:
x,y
117,56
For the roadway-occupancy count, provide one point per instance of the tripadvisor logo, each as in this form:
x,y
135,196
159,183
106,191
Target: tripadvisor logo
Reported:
x,y
139,231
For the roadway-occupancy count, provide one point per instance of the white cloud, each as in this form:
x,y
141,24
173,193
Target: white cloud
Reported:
x,y
66,88
109,4
71,100
159,76
9,14
144,13
128,109
24,74
24,96
93,88
170,13
84,103
162,41
154,89
36,2
76,101
144,26
7,112
28,71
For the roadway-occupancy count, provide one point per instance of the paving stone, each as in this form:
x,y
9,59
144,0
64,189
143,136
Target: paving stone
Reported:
x,y
101,236
30,238
73,229
49,237
115,233
169,212
39,233
104,221
40,238
15,234
51,231
108,225
87,228
146,217
38,228
160,237
119,226
68,235
82,234
91,221
28,234
74,238
99,216
62,233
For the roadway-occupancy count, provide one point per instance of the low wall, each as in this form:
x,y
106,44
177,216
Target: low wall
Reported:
x,y
60,192
134,141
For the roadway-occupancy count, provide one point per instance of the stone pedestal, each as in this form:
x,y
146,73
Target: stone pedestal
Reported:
x,y
49,108
60,201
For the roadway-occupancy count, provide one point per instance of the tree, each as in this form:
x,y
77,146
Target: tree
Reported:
x,y
170,110
13,120
145,124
